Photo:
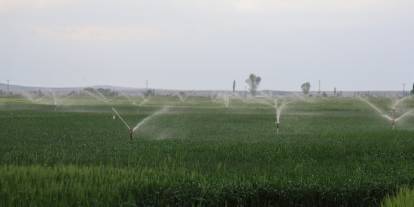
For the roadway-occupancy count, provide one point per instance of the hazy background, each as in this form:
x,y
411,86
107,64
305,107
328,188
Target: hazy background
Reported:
x,y
193,44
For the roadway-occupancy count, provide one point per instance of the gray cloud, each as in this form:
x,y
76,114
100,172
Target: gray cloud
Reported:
x,y
352,44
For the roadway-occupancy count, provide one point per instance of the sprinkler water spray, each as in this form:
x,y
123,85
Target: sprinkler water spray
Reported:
x,y
144,101
277,121
102,96
279,109
29,96
181,96
55,103
226,100
399,101
127,97
130,131
221,98
393,121
393,118
159,112
95,96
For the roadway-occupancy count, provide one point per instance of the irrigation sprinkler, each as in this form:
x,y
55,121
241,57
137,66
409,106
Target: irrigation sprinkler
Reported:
x,y
8,87
279,109
277,127
130,131
144,101
131,134
221,98
28,96
55,102
393,122
393,118
181,96
226,100
101,97
65,97
277,121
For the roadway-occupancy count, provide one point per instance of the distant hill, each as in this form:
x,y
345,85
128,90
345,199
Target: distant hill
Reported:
x,y
139,91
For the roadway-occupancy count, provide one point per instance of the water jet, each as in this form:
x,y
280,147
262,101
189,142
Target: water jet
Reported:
x,y
148,118
129,98
392,118
279,107
182,96
124,122
131,130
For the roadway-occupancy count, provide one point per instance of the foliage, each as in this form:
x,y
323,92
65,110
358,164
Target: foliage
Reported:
x,y
149,92
253,83
306,88
104,91
182,93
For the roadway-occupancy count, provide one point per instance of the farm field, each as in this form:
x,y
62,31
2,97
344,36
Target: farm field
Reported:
x,y
199,151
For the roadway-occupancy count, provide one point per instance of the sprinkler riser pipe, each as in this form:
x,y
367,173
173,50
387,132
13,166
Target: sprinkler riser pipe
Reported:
x,y
131,134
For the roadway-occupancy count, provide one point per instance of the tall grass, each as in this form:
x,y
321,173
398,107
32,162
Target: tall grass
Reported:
x,y
404,198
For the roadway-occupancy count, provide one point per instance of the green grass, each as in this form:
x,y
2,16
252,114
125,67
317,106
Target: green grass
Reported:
x,y
330,152
405,197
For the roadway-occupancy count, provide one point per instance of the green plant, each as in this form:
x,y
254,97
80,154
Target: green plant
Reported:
x,y
330,152
404,198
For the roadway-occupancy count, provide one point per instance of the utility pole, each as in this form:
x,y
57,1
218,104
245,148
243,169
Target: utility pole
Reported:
x,y
319,88
234,86
8,87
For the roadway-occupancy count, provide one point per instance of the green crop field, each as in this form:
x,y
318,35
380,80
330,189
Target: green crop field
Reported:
x,y
198,152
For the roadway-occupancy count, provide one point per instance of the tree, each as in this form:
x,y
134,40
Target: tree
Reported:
x,y
412,91
306,88
39,93
149,92
253,83
107,92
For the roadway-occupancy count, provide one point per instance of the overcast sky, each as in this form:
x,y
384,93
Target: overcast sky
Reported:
x,y
206,44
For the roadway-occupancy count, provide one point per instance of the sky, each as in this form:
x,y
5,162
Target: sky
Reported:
x,y
206,44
